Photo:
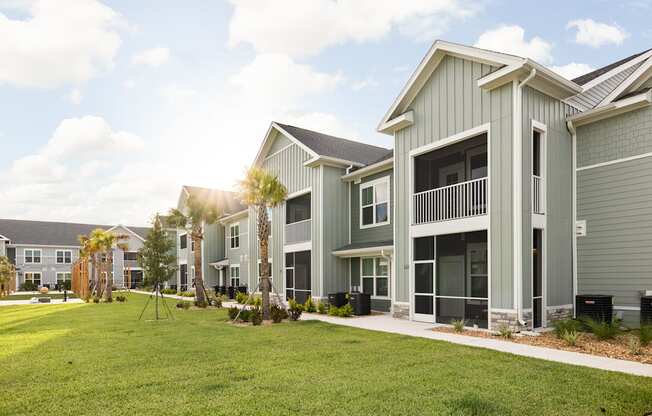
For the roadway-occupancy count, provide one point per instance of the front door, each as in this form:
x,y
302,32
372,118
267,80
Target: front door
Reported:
x,y
424,279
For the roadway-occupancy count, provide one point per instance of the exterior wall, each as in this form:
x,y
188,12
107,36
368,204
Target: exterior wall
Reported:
x,y
615,256
238,255
450,102
380,233
133,243
212,250
558,252
48,266
3,248
335,231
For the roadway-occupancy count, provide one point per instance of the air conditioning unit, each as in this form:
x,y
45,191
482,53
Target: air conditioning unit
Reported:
x,y
596,307
646,310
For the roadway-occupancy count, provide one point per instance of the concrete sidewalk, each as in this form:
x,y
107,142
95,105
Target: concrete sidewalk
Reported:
x,y
29,302
386,323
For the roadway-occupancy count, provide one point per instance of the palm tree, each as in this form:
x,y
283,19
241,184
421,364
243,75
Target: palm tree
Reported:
x,y
7,272
262,190
91,247
107,241
199,213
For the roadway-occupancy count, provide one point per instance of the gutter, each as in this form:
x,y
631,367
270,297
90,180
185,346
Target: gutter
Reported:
x,y
368,170
518,191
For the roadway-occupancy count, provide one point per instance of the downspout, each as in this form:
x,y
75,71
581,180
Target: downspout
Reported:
x,y
518,195
573,132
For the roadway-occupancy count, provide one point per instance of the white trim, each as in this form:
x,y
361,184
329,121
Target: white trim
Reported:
x,y
350,225
627,308
458,137
234,236
630,81
397,123
33,250
301,192
235,216
126,228
2,237
573,131
615,71
500,310
28,245
64,251
305,246
271,155
372,184
321,235
331,161
359,252
376,276
612,109
267,143
464,225
369,170
615,161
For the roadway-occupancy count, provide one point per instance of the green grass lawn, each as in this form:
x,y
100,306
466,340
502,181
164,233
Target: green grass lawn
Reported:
x,y
98,359
49,295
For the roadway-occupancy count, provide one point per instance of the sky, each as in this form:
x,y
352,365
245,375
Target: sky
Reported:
x,y
107,107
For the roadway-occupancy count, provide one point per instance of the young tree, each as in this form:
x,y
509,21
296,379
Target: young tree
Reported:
x,y
91,246
199,213
7,272
156,256
262,190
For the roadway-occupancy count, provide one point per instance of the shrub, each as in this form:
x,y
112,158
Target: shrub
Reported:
x,y
217,301
296,309
645,335
256,316
458,324
278,313
634,345
241,298
187,294
244,315
200,304
309,306
182,304
321,308
28,287
346,311
96,300
333,310
108,300
121,298
566,325
603,329
168,291
504,331
233,312
570,337
256,301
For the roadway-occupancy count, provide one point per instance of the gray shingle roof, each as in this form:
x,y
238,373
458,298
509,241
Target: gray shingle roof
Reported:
x,y
228,201
336,147
581,80
52,233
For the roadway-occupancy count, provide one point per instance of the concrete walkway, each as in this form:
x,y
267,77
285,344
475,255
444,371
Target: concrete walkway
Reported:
x,y
29,302
385,323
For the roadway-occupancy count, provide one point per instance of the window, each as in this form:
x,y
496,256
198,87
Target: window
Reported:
x,y
130,255
64,256
64,278
183,241
298,276
234,235
34,277
375,276
235,275
297,209
374,203
536,153
32,255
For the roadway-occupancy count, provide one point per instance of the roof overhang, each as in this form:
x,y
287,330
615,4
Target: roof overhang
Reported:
x,y
3,238
369,170
128,230
429,63
613,109
544,80
404,120
632,83
219,264
235,216
366,251
330,161
274,129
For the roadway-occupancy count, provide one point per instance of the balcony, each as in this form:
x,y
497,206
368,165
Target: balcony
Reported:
x,y
452,202
538,195
298,232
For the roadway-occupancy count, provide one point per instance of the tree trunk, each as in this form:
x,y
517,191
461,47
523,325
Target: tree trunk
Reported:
x,y
200,293
109,276
263,237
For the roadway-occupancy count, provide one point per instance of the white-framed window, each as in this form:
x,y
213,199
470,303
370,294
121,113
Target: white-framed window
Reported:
x,y
374,203
33,256
34,277
183,241
374,274
234,272
63,256
234,235
63,277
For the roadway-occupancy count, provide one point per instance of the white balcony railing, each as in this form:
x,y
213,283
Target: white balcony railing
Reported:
x,y
538,195
298,232
462,200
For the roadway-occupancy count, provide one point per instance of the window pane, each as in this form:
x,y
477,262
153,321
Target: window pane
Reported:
x,y
368,215
289,259
37,256
381,192
368,267
423,305
382,267
368,286
381,212
382,286
423,277
368,195
450,276
297,209
289,278
474,312
424,248
449,310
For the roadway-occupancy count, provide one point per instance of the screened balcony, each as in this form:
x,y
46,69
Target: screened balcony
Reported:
x,y
451,183
298,224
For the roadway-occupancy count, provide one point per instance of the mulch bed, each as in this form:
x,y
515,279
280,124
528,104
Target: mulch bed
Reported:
x,y
586,343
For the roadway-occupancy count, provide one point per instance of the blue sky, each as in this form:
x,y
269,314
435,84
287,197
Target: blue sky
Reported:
x,y
109,106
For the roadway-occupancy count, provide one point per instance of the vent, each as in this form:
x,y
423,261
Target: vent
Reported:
x,y
646,310
596,307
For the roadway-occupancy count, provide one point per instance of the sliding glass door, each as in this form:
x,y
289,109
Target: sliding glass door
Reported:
x,y
298,276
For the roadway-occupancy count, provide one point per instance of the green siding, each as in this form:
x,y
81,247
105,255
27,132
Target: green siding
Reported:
x,y
381,233
450,102
213,249
335,229
559,210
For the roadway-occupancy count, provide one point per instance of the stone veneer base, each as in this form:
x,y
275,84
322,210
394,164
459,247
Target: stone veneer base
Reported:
x,y
400,311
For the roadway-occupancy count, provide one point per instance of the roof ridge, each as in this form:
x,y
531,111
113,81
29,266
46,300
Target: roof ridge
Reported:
x,y
333,137
589,76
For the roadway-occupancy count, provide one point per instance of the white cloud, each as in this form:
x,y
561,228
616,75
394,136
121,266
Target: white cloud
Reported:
x,y
62,42
365,83
177,95
75,96
154,57
572,70
300,28
511,39
596,34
